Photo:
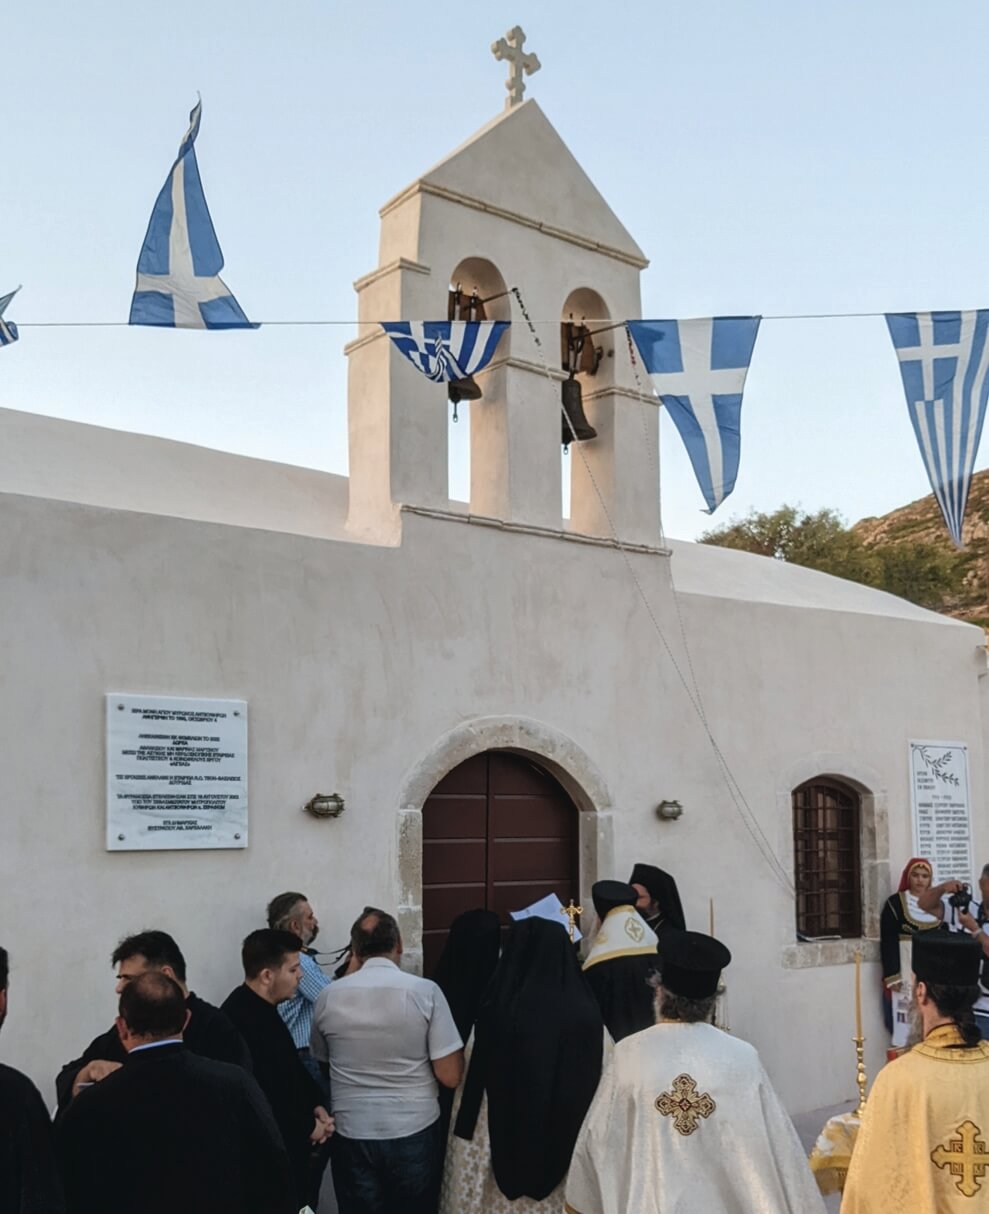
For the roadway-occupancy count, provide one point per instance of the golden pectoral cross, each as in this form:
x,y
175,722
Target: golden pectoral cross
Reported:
x,y
571,912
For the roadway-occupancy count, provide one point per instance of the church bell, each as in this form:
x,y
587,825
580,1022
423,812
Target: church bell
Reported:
x,y
464,389
578,355
575,424
461,306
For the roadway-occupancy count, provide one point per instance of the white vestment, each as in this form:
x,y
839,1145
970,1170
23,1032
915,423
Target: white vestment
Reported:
x,y
685,1121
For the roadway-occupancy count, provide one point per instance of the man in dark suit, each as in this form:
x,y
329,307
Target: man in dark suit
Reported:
x,y
209,1033
28,1176
169,1130
271,975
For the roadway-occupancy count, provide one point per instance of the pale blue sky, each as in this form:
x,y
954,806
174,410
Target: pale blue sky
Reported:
x,y
770,157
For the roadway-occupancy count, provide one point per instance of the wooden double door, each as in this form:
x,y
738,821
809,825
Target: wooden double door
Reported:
x,y
499,832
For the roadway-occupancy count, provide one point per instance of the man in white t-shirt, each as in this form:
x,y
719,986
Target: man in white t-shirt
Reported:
x,y
972,919
386,1038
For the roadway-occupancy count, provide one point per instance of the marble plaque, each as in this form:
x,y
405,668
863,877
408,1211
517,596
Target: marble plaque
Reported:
x,y
942,815
176,773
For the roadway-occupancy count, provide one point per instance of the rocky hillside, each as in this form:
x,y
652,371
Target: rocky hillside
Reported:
x,y
921,522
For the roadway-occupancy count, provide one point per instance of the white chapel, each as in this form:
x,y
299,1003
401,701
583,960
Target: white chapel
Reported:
x,y
510,698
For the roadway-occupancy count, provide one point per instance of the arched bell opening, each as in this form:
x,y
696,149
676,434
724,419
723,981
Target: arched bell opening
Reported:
x,y
477,291
587,349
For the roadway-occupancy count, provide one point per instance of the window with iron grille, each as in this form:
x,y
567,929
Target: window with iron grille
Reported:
x,y
827,861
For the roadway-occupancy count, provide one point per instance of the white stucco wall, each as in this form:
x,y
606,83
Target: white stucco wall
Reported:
x,y
356,661
132,564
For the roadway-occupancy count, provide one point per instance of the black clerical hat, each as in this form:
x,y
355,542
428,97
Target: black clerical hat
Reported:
x,y
609,894
651,878
946,958
691,964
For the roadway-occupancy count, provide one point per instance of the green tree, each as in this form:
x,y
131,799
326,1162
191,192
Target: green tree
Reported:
x,y
926,574
923,573
817,541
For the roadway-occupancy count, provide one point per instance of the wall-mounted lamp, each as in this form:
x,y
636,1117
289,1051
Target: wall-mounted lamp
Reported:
x,y
669,811
324,805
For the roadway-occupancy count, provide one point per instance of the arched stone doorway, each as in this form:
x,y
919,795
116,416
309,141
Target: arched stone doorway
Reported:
x,y
498,831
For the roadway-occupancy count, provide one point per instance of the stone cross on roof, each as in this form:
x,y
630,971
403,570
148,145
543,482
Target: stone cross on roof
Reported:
x,y
519,61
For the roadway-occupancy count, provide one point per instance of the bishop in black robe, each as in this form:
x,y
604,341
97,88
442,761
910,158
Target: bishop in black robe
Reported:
x,y
664,908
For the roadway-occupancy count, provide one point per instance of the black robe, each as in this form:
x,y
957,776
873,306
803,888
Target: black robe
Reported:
x,y
462,973
291,1090
170,1132
466,964
538,1044
895,924
625,997
209,1033
28,1177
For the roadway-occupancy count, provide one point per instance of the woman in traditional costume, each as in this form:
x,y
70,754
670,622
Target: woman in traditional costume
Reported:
x,y
534,1068
901,920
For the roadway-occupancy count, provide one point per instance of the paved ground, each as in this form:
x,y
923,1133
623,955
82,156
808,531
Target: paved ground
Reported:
x,y
809,1125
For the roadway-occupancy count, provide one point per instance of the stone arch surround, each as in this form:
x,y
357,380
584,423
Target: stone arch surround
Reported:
x,y
868,783
553,750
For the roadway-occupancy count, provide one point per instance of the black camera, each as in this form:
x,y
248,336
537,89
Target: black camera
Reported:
x,y
961,898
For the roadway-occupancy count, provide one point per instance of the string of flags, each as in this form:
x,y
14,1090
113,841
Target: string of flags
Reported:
x,y
697,367
8,330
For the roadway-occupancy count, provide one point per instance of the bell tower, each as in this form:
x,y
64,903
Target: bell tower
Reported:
x,y
510,208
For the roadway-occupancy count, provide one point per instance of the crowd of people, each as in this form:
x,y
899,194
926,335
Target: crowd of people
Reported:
x,y
524,1078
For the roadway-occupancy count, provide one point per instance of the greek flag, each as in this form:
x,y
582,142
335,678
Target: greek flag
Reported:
x,y
8,330
698,369
944,365
178,272
444,350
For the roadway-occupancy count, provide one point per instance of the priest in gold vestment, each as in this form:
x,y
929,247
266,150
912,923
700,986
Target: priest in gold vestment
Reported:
x,y
924,1143
685,1120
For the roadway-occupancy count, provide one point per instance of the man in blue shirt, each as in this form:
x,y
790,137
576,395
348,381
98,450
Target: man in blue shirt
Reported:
x,y
292,912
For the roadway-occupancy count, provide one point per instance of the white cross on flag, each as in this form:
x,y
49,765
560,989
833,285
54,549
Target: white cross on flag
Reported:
x,y
944,365
698,369
178,271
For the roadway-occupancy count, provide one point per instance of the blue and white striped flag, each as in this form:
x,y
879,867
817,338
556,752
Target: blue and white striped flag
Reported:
x,y
8,330
698,369
944,365
444,350
178,272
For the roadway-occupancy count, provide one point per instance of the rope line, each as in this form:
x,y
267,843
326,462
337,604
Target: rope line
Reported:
x,y
591,320
734,791
728,774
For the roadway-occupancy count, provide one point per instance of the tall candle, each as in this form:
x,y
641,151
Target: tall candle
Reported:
x,y
858,993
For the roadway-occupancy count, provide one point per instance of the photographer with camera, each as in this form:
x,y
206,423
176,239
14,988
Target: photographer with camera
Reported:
x,y
962,913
